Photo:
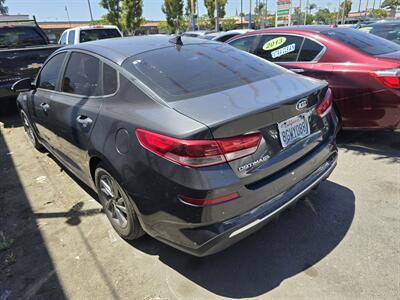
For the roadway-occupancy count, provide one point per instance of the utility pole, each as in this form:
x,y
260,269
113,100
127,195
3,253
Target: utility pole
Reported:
x,y
366,8
299,16
192,13
69,20
373,8
216,17
338,13
344,10
198,16
305,14
241,13
90,10
249,25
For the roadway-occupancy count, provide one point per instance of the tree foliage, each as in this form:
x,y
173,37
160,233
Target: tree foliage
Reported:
x,y
173,10
346,6
132,11
378,13
3,8
390,4
126,14
324,16
228,23
210,5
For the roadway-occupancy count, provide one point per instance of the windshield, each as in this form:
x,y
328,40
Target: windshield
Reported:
x,y
13,37
362,41
197,69
94,34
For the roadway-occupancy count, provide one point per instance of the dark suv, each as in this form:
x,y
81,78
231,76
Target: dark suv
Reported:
x,y
192,141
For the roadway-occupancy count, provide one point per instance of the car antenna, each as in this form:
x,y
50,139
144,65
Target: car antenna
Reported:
x,y
177,40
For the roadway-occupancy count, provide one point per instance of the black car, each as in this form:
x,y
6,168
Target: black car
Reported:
x,y
194,142
23,49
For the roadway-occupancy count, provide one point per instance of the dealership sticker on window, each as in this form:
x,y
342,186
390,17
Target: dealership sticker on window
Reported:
x,y
282,51
274,43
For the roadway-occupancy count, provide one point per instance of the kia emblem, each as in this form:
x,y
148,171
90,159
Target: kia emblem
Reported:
x,y
302,104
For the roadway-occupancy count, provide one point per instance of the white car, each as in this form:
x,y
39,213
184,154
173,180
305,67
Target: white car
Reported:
x,y
223,36
83,34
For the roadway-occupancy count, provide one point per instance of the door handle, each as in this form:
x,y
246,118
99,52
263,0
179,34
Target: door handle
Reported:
x,y
84,121
297,70
45,106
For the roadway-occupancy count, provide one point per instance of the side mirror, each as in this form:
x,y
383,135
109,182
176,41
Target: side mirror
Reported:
x,y
23,85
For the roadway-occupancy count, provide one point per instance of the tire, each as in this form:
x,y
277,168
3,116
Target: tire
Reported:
x,y
117,205
29,132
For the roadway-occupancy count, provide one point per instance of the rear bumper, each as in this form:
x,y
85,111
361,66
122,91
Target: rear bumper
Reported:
x,y
209,239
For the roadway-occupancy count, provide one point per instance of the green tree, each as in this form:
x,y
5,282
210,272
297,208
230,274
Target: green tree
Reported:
x,y
132,11
346,6
311,7
173,10
378,13
210,5
205,22
3,8
228,23
114,9
323,16
391,5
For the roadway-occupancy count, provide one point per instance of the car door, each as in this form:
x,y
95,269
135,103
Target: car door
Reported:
x,y
42,112
297,53
76,108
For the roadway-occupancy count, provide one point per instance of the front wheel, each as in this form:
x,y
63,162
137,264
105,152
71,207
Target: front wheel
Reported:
x,y
117,205
29,131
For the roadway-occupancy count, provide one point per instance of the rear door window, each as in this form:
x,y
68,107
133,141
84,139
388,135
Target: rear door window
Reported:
x,y
49,74
279,48
310,50
244,43
88,35
362,41
15,37
63,39
110,80
82,75
71,37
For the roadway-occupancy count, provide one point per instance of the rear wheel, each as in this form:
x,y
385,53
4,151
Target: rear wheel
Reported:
x,y
117,205
29,131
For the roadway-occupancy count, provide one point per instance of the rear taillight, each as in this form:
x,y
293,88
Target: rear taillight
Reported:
x,y
325,105
199,153
389,78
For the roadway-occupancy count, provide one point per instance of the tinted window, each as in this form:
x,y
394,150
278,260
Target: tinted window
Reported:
x,y
278,48
82,75
88,35
11,37
195,70
226,37
63,39
245,43
390,32
309,50
110,80
49,74
362,41
71,37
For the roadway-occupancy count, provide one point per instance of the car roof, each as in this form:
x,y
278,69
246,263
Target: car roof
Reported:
x,y
308,28
383,24
119,49
94,27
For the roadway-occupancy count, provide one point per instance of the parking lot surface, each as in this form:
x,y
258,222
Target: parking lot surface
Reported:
x,y
342,241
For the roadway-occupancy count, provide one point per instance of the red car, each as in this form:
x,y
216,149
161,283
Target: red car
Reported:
x,y
363,70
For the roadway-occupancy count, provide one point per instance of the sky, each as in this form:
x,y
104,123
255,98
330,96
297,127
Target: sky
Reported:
x,y
54,10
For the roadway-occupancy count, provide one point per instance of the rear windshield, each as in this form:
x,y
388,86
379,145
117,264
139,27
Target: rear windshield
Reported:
x,y
362,41
390,32
197,69
88,35
14,37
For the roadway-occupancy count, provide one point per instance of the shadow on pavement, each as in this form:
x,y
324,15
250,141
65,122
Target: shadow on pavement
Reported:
x,y
295,242
26,268
384,144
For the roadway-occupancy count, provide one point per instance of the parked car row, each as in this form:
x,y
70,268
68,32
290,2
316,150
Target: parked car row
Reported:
x,y
363,70
197,142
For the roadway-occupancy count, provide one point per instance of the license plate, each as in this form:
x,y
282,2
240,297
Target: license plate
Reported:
x,y
293,129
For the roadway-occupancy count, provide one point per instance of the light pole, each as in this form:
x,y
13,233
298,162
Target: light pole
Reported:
x,y
241,13
216,17
249,25
344,9
90,10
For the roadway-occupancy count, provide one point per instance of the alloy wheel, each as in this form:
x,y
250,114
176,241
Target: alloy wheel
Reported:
x,y
114,204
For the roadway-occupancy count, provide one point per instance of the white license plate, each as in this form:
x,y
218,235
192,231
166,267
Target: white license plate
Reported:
x,y
293,129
